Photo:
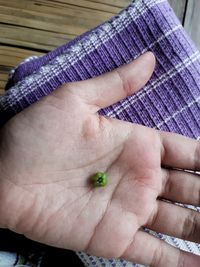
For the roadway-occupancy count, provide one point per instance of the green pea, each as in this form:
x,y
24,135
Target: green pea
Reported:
x,y
99,179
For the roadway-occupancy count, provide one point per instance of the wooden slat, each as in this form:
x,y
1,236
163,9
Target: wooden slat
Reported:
x,y
106,6
192,21
115,3
84,9
67,24
3,79
9,58
179,8
15,55
42,24
35,39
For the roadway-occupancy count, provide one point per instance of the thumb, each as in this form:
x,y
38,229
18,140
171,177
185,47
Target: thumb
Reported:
x,y
113,86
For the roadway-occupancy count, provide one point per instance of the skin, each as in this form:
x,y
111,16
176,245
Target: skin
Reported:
x,y
49,151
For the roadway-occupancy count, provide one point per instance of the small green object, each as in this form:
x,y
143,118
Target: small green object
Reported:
x,y
99,179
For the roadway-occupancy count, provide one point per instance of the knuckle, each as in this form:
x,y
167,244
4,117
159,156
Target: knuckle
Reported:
x,y
125,83
181,259
191,227
167,188
157,256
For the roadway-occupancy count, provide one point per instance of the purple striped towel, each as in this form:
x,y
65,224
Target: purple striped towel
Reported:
x,y
170,101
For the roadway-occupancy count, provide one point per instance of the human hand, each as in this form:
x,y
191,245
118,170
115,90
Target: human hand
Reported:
x,y
49,152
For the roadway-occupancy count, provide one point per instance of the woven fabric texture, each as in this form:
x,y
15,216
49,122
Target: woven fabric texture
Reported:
x,y
170,101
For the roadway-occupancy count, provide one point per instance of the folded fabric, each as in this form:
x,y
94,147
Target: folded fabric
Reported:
x,y
170,101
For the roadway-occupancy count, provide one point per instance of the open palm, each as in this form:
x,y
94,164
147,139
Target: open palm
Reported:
x,y
49,152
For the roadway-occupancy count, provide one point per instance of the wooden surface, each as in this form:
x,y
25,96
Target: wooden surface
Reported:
x,y
179,7
34,27
192,20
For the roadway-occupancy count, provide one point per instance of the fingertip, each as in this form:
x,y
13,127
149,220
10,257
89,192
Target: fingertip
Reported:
x,y
149,59
140,70
150,56
152,59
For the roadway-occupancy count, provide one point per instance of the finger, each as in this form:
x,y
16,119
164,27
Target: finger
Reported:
x,y
151,251
177,221
111,87
180,152
181,186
